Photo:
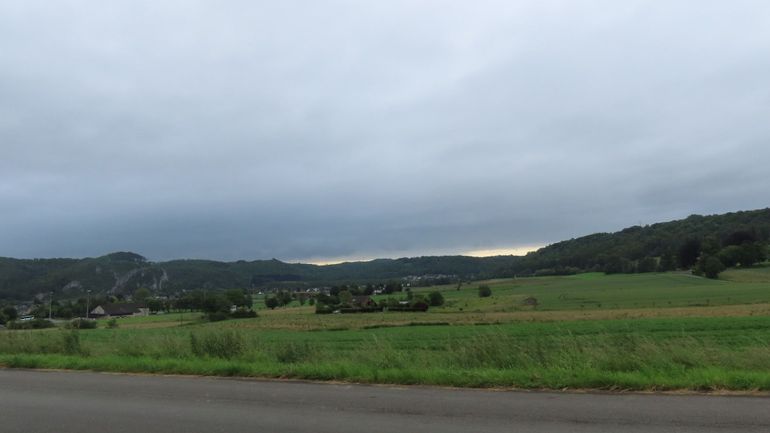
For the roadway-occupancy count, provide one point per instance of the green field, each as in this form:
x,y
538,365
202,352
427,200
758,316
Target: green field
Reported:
x,y
639,332
597,291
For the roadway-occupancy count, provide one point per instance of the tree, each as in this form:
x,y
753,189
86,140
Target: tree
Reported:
x,y
355,290
369,290
647,264
239,298
10,313
744,255
284,298
271,302
484,291
217,303
689,253
155,305
613,265
141,294
193,300
392,287
730,255
739,237
751,253
345,297
710,245
710,266
667,262
436,299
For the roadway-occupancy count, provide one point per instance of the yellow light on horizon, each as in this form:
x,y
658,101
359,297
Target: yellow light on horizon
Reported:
x,y
515,251
512,251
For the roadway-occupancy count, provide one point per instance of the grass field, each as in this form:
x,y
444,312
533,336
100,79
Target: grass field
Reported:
x,y
641,332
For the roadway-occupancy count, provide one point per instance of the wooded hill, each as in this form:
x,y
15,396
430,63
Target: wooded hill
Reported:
x,y
730,238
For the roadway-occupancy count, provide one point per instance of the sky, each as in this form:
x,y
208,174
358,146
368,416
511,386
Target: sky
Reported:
x,y
321,131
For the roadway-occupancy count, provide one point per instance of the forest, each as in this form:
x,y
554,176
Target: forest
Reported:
x,y
704,244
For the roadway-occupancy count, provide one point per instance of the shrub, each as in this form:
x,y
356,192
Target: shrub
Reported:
x,y
436,299
243,314
217,316
71,343
484,291
292,352
81,324
112,324
271,302
710,266
31,324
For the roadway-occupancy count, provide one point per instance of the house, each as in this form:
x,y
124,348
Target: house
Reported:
x,y
120,310
363,302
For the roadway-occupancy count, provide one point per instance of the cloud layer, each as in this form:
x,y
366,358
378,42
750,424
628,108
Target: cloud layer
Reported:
x,y
315,130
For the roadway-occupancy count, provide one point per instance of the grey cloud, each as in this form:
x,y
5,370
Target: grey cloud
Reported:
x,y
326,129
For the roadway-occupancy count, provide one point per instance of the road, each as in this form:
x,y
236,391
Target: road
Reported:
x,y
69,402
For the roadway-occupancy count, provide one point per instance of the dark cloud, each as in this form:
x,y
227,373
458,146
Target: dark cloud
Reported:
x,y
333,129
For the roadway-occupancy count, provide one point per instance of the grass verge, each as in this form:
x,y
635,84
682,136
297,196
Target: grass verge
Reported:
x,y
643,354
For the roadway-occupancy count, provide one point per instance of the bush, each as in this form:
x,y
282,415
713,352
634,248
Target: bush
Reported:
x,y
436,299
710,266
271,302
243,314
112,324
484,291
290,353
71,343
217,316
81,324
219,344
31,324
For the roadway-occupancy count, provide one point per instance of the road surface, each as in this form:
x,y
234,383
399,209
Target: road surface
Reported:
x,y
69,402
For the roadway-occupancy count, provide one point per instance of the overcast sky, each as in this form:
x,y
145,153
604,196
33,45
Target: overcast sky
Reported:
x,y
328,130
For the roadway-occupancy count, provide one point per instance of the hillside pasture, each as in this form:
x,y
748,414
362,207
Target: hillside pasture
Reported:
x,y
599,291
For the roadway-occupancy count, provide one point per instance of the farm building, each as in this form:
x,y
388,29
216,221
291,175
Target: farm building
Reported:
x,y
363,301
120,310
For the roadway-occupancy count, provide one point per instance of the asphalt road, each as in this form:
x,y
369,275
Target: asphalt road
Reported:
x,y
65,402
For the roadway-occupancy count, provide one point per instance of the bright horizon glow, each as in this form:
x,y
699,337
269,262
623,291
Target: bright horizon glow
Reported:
x,y
490,252
514,251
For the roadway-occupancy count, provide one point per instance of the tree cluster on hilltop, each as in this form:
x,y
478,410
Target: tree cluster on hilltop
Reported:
x,y
733,239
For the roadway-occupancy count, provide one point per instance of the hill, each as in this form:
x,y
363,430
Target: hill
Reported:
x,y
675,244
680,241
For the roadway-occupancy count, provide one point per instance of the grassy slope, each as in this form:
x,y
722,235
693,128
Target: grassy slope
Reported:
x,y
673,345
589,291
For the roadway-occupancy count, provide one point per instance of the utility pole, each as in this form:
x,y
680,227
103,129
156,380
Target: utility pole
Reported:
x,y
50,304
88,302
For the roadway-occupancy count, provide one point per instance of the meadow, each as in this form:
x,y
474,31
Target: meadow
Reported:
x,y
631,332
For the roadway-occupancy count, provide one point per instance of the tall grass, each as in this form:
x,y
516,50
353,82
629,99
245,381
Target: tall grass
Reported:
x,y
651,354
224,344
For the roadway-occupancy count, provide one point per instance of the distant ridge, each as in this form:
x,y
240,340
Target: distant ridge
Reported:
x,y
124,272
